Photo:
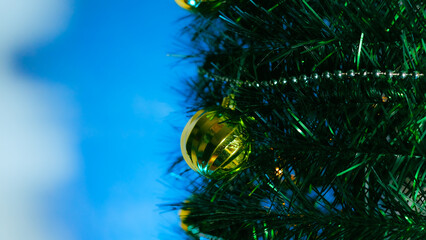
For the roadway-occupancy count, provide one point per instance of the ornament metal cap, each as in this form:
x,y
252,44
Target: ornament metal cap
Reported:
x,y
213,147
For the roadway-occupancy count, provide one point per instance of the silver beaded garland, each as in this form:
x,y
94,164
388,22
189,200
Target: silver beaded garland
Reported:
x,y
326,75
377,73
351,73
416,75
314,77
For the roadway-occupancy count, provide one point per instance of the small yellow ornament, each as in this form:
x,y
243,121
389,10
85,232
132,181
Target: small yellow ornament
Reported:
x,y
191,229
213,147
183,214
188,4
191,4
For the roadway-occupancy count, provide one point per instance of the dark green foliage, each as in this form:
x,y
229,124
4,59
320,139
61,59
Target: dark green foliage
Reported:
x,y
351,149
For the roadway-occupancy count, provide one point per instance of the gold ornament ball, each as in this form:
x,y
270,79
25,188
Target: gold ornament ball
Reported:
x,y
192,4
188,4
213,147
183,214
191,229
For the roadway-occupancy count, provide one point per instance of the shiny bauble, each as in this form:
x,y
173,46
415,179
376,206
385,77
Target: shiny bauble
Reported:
x,y
188,4
183,214
192,230
213,147
192,5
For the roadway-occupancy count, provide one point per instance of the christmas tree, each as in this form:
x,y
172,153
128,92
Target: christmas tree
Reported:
x,y
312,120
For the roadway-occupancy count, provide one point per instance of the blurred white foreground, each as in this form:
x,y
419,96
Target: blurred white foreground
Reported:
x,y
37,145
